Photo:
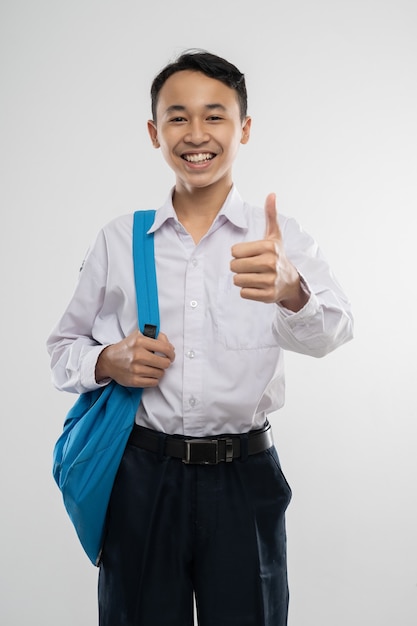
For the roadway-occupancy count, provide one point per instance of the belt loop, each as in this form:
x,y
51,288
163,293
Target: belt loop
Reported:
x,y
244,447
161,446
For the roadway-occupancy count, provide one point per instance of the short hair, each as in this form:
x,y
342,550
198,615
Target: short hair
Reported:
x,y
209,64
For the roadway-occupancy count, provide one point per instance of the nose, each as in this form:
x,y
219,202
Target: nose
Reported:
x,y
196,133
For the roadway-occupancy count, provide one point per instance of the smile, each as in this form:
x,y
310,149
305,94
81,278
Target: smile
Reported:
x,y
198,158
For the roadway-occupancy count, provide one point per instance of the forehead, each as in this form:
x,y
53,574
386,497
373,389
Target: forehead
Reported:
x,y
190,89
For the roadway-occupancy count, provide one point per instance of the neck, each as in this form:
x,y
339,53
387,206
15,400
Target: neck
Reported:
x,y
196,209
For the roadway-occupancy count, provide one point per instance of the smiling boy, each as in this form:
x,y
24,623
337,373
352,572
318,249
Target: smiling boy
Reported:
x,y
198,506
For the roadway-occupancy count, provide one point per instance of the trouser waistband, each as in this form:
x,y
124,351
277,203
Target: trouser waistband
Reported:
x,y
204,450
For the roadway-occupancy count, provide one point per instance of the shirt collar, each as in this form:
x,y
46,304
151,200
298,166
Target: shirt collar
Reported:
x,y
232,210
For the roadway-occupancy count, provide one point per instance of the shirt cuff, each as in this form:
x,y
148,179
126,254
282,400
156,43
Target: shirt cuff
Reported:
x,y
88,369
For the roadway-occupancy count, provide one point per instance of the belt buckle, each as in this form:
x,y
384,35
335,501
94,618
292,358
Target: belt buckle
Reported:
x,y
201,452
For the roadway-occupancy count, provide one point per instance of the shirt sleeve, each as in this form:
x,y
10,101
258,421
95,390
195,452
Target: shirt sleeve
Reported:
x,y
325,322
72,346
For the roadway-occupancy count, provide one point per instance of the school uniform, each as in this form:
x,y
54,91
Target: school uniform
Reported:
x,y
199,501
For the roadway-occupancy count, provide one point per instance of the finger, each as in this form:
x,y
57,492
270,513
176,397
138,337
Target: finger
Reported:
x,y
272,230
150,360
250,249
161,345
254,281
264,261
164,347
169,348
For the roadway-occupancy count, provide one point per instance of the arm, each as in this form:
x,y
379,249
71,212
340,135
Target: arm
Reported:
x,y
72,344
313,314
88,346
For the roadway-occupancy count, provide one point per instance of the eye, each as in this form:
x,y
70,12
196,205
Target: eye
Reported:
x,y
215,118
177,119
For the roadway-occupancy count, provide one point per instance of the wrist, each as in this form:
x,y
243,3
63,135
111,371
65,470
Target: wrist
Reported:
x,y
298,298
102,370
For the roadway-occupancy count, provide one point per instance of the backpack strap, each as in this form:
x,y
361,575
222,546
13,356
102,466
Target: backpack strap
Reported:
x,y
145,273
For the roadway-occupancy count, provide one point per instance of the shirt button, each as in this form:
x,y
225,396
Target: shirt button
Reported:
x,y
193,303
191,354
192,401
194,262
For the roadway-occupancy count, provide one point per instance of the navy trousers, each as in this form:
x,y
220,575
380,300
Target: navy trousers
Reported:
x,y
216,531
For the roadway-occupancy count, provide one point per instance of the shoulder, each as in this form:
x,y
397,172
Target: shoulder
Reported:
x,y
120,226
113,237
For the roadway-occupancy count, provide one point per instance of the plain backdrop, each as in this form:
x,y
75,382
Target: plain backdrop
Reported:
x,y
333,96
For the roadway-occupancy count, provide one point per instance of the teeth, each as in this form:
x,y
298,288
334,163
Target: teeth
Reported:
x,y
198,158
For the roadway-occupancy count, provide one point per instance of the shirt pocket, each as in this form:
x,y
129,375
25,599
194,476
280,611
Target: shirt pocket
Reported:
x,y
242,324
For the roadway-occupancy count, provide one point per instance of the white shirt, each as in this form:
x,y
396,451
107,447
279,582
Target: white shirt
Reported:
x,y
228,373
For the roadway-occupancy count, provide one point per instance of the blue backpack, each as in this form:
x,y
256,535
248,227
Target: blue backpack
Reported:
x,y
87,455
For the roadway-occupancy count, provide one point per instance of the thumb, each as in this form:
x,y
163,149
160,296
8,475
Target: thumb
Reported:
x,y
272,229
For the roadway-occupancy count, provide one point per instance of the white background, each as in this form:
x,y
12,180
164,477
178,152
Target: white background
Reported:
x,y
333,95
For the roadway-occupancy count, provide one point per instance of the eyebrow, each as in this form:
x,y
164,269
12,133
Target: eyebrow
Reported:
x,y
175,108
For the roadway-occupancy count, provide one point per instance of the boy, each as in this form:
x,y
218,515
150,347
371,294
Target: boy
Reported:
x,y
199,500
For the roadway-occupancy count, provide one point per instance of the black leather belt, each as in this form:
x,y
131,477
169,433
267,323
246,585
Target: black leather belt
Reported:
x,y
206,450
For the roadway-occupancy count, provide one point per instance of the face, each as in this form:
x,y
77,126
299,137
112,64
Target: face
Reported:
x,y
199,129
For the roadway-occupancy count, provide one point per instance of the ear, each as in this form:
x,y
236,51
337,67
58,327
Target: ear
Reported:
x,y
246,130
153,134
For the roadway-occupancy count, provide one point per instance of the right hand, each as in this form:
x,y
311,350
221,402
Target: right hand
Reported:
x,y
136,361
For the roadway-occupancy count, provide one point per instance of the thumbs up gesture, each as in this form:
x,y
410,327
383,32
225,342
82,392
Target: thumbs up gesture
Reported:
x,y
262,269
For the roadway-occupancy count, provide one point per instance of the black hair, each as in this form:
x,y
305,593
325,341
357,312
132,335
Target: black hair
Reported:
x,y
209,64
